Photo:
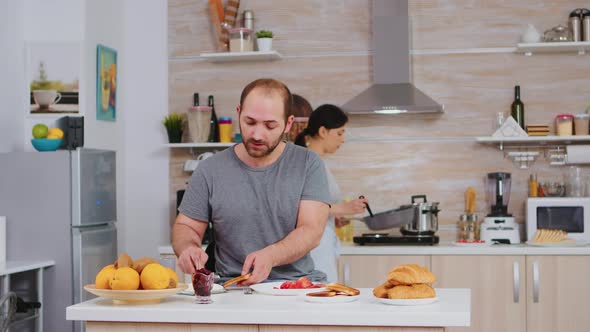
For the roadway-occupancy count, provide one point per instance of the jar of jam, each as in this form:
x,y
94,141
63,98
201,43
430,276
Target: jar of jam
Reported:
x,y
564,125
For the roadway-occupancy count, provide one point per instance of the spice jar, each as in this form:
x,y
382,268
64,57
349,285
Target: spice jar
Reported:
x,y
473,228
582,124
564,124
241,40
462,224
225,129
198,123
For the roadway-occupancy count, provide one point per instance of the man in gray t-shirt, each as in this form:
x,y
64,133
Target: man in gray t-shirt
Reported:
x,y
267,200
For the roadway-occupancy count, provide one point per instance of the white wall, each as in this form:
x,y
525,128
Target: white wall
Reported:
x,y
12,84
145,67
138,31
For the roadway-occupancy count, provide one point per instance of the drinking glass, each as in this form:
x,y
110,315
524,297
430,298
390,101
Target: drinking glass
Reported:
x,y
574,182
203,284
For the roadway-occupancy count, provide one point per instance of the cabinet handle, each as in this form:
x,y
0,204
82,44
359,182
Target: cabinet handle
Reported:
x,y
516,287
536,282
346,274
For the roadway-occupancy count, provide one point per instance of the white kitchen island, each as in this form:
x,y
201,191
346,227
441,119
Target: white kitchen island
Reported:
x,y
235,311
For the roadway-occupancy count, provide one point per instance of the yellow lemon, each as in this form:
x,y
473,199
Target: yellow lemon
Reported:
x,y
125,278
172,278
154,276
103,278
55,133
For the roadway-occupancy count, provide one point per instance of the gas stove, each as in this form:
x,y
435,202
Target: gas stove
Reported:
x,y
389,239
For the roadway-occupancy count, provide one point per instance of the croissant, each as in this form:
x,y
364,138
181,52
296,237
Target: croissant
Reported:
x,y
408,274
417,291
381,290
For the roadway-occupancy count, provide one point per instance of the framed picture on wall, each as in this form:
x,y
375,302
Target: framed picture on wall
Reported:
x,y
106,83
53,75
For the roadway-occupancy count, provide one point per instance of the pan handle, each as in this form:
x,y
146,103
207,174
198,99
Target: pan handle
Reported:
x,y
414,197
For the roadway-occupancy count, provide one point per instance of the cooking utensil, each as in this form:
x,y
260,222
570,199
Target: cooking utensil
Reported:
x,y
390,218
426,220
367,205
418,218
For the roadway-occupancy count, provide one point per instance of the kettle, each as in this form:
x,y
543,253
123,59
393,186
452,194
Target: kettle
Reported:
x,y
425,221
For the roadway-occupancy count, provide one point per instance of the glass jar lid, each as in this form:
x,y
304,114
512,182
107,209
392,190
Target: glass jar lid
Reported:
x,y
564,116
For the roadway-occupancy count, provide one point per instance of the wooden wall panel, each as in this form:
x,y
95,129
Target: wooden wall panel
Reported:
x,y
458,24
473,88
308,26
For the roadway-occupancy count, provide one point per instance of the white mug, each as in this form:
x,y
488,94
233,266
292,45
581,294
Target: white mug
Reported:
x,y
46,98
205,155
191,165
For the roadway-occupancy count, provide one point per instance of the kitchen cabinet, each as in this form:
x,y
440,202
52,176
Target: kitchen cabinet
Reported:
x,y
371,271
497,286
557,293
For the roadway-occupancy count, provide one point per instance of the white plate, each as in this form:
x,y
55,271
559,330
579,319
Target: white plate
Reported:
x,y
472,245
190,291
408,301
332,299
273,288
558,244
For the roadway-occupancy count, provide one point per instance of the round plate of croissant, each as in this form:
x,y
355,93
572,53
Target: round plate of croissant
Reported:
x,y
408,301
407,284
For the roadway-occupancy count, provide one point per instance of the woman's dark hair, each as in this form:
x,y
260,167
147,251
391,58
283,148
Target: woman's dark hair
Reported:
x,y
328,116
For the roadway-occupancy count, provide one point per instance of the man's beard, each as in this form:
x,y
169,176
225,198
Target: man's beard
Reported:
x,y
261,151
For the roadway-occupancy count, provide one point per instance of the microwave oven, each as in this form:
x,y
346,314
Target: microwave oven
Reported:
x,y
570,214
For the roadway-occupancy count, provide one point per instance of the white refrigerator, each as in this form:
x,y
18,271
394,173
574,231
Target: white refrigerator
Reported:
x,y
60,206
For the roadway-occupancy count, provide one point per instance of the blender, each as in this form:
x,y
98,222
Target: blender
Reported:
x,y
499,226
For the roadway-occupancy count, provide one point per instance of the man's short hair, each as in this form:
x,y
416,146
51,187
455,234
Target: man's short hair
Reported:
x,y
270,85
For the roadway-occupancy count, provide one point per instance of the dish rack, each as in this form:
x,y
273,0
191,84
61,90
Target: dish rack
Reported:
x,y
7,310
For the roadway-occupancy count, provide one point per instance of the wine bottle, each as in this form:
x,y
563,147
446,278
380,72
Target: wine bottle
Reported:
x,y
196,99
214,123
517,108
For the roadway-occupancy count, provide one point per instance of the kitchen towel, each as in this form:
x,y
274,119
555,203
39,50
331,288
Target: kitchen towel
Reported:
x,y
578,154
2,240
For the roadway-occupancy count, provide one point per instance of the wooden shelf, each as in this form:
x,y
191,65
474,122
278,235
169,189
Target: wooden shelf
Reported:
x,y
534,139
199,145
241,56
530,48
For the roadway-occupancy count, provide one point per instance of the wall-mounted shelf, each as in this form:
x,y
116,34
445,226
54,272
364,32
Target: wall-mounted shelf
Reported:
x,y
530,48
528,149
538,140
241,56
199,145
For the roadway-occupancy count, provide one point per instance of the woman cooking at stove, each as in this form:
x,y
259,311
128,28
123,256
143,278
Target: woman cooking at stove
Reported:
x,y
324,135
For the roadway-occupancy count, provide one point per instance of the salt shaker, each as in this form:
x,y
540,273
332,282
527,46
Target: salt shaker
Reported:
x,y
575,23
585,24
248,19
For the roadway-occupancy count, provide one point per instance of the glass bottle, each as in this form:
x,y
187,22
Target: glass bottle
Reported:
x,y
214,123
517,108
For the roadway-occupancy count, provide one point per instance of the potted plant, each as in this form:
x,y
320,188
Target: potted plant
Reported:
x,y
264,40
174,124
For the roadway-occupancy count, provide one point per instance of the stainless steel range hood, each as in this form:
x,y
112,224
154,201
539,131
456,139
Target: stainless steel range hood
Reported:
x,y
392,91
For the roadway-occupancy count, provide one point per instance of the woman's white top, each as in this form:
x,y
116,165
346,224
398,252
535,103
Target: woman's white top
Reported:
x,y
325,256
